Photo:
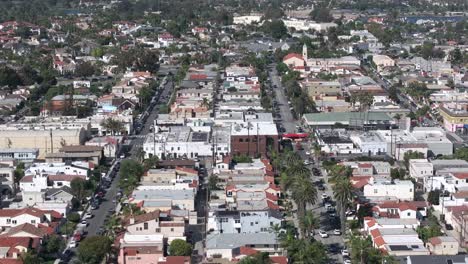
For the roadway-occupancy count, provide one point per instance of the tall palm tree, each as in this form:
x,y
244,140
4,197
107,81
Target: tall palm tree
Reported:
x,y
308,223
343,192
303,192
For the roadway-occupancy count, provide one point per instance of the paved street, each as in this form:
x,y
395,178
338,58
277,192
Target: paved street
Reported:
x,y
287,120
326,222
108,205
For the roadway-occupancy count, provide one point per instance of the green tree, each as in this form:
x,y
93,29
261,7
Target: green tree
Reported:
x,y
321,14
113,125
73,217
150,163
130,174
433,197
308,223
78,188
31,258
461,153
85,69
275,28
259,258
303,192
54,244
180,247
426,232
213,183
282,68
93,249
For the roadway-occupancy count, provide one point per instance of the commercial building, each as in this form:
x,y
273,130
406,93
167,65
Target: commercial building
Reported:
x,y
253,139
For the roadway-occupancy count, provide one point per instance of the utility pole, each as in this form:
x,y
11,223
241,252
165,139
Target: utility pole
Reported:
x,y
51,142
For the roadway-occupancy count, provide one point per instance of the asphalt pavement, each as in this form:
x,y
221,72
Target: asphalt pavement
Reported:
x,y
326,222
107,206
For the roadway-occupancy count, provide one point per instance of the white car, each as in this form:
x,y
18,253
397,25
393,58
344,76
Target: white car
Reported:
x,y
323,234
324,196
88,216
84,222
345,252
308,153
306,162
337,232
72,244
347,261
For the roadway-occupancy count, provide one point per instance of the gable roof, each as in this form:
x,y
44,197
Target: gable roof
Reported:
x,y
30,229
293,55
16,212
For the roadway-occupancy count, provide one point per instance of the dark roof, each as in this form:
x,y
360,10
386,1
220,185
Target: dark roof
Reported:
x,y
176,162
336,140
80,148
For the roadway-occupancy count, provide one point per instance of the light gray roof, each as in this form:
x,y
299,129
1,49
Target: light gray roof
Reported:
x,y
230,241
163,195
432,259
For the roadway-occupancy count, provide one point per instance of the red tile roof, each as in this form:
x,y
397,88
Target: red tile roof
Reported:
x,y
30,229
379,241
279,259
247,251
435,241
365,165
175,260
460,175
293,55
16,212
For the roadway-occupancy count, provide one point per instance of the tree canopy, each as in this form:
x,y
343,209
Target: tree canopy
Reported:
x,y
92,250
180,247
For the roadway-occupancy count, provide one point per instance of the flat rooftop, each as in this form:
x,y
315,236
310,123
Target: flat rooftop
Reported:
x,y
231,241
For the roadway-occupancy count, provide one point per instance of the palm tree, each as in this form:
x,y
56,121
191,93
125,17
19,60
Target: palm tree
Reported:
x,y
303,192
206,103
342,190
139,154
112,125
308,223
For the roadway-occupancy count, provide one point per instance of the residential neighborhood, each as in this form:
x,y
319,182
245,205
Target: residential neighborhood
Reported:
x,y
233,132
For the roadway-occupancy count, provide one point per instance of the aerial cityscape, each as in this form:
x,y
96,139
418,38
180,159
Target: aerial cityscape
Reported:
x,y
234,131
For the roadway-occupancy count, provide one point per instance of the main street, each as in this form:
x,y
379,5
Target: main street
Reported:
x,y
108,205
327,222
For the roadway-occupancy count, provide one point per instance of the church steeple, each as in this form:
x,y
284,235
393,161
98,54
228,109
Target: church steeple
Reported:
x,y
304,52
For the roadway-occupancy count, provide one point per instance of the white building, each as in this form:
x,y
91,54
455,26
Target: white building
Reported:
x,y
307,25
419,169
179,142
370,143
378,190
246,20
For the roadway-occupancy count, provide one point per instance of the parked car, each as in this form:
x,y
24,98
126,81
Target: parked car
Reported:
x,y
337,232
323,234
88,216
84,222
345,252
347,260
324,196
73,244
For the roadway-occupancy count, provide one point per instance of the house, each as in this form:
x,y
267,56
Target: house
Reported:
x,y
110,145
228,222
228,245
70,153
137,249
378,190
442,245
14,247
382,61
28,230
31,215
25,155
156,222
419,169
401,209
398,241
151,200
